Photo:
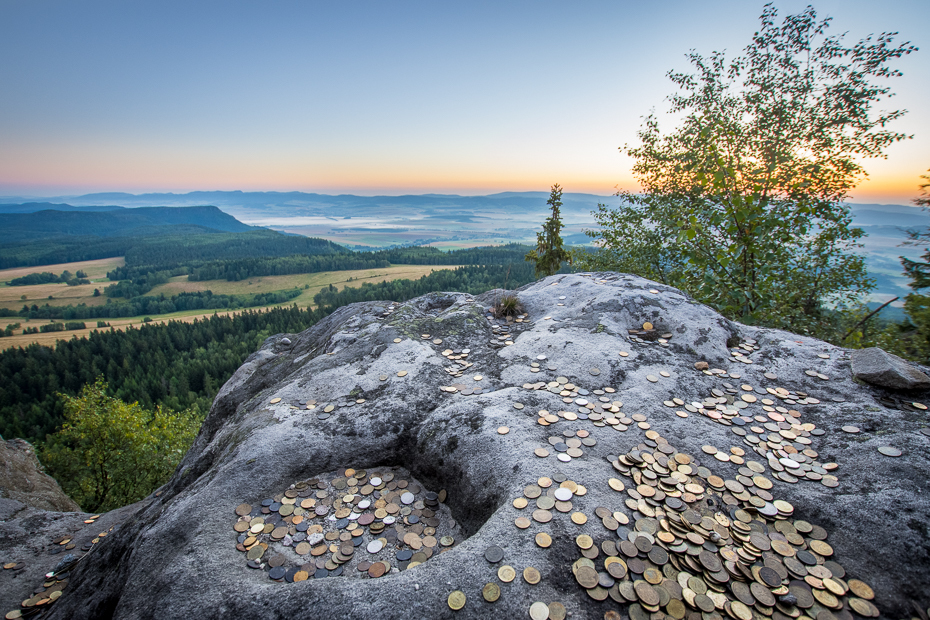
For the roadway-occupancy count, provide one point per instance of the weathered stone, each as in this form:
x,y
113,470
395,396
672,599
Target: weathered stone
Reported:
x,y
878,367
701,365
176,556
23,479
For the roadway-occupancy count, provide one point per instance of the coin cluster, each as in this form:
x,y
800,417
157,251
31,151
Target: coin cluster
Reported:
x,y
705,544
648,334
779,436
374,521
55,581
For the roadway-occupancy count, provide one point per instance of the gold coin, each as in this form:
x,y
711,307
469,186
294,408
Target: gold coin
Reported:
x,y
397,340
557,611
301,575
456,600
520,503
584,541
491,592
579,518
821,548
587,577
543,540
616,484
531,575
403,373
275,401
863,607
860,589
541,452
647,325
502,430
506,573
522,522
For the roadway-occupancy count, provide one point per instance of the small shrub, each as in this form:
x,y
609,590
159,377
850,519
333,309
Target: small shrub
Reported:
x,y
508,305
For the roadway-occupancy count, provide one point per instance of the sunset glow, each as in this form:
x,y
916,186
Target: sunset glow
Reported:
x,y
472,98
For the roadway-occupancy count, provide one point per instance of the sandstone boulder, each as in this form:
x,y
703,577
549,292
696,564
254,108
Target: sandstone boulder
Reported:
x,y
23,479
878,367
553,442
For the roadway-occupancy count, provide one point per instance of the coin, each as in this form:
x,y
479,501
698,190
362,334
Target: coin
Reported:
x,y
402,373
557,611
491,592
860,589
539,611
579,518
890,451
586,577
531,575
506,573
543,540
502,430
456,600
494,554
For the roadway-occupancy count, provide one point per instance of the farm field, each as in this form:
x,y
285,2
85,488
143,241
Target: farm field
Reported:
x,y
316,282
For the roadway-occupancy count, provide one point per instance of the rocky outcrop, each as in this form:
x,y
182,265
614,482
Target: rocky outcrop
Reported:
x,y
395,459
23,479
881,368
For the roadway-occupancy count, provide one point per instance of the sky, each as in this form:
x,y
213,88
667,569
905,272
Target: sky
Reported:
x,y
380,97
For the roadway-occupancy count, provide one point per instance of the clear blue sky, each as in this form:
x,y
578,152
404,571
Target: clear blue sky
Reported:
x,y
365,97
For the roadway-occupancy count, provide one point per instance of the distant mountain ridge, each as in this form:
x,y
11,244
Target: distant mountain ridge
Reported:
x,y
114,222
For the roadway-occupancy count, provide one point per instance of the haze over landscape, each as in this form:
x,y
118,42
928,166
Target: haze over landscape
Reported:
x,y
315,299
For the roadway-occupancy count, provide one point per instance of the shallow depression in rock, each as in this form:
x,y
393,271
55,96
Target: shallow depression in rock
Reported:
x,y
346,523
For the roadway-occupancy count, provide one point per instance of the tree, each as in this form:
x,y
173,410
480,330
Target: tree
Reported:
x,y
742,205
110,453
549,253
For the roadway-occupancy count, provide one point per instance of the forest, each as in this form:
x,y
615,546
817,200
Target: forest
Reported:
x,y
182,365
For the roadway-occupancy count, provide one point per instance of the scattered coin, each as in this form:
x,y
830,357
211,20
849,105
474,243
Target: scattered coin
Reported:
x,y
456,600
890,451
491,592
494,554
502,430
531,575
539,611
506,573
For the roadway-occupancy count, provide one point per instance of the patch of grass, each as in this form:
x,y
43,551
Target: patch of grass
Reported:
x,y
508,305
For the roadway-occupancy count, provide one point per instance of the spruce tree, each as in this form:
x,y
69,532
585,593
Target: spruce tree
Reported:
x,y
549,253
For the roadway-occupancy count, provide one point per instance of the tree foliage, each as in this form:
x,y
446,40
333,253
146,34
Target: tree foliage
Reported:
x,y
742,204
549,253
110,453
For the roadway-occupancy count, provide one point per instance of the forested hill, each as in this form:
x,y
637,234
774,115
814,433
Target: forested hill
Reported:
x,y
114,223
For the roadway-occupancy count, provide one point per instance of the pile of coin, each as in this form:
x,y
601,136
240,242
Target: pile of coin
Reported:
x,y
56,581
648,334
704,544
779,435
316,527
460,364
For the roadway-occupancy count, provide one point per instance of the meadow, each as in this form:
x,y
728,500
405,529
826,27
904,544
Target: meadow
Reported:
x,y
62,294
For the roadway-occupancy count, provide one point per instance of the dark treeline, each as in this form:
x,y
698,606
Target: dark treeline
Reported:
x,y
163,246
167,252
137,279
179,365
47,277
176,365
198,300
244,268
472,279
55,251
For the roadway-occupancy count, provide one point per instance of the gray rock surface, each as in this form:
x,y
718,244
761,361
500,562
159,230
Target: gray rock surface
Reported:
x,y
878,367
176,557
23,479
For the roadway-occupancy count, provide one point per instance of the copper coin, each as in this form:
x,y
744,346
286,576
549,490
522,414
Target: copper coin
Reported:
x,y
377,570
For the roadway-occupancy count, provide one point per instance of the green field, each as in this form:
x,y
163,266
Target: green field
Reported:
x,y
10,296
